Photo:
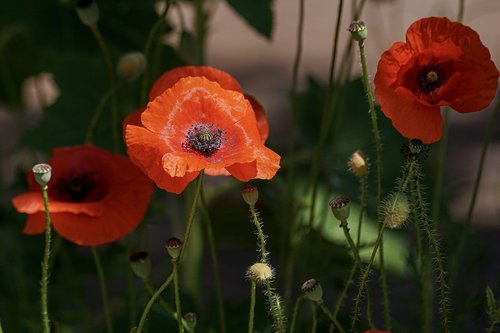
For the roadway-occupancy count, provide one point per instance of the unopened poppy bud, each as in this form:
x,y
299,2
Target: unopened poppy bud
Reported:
x,y
250,194
174,246
396,210
191,320
42,173
88,11
358,30
340,208
415,146
313,291
140,264
358,163
260,273
131,65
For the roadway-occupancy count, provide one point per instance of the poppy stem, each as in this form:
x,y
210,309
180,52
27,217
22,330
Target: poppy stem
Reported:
x,y
332,317
192,214
175,266
45,263
151,301
296,309
104,289
378,165
461,10
251,313
362,206
314,317
441,159
112,83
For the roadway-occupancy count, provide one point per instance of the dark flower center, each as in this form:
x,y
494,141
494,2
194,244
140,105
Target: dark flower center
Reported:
x,y
80,188
429,79
205,139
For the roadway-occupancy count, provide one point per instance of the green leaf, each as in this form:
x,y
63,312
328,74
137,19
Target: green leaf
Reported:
x,y
490,301
257,13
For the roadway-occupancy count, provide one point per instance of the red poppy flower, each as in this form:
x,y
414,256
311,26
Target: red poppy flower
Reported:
x,y
95,197
441,63
198,118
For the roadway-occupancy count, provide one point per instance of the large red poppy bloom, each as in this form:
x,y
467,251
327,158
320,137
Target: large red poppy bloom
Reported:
x,y
95,197
441,63
198,118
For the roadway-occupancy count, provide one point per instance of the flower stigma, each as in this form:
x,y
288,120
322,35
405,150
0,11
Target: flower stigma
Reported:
x,y
205,139
429,79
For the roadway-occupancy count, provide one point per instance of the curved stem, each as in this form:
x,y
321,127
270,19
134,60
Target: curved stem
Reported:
x,y
112,83
332,317
45,263
251,313
151,301
350,279
296,310
192,214
104,289
175,266
314,317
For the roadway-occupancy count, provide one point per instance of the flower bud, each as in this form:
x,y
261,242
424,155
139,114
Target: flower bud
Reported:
x,y
340,208
313,291
131,65
88,11
191,320
358,30
174,246
42,173
415,146
140,264
358,164
250,194
260,273
395,210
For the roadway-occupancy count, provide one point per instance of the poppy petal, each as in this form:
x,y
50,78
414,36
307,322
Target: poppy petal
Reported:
x,y
35,224
260,115
32,202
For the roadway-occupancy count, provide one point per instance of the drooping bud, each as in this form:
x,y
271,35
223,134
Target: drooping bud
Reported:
x,y
250,194
88,11
174,246
395,210
358,31
140,264
313,291
131,65
260,273
340,208
191,320
358,164
42,173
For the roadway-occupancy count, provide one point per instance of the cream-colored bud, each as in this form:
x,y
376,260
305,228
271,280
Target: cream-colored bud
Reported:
x,y
358,164
396,210
260,273
131,65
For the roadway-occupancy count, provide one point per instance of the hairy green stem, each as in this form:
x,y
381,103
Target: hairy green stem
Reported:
x,y
251,312
332,317
362,207
260,235
104,289
45,263
296,309
175,266
350,279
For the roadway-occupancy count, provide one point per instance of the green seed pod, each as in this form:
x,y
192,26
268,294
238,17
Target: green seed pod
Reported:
x,y
313,291
174,246
42,173
250,194
358,30
87,11
340,208
140,264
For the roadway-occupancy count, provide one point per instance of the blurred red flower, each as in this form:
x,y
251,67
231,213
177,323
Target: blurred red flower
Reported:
x,y
441,63
198,118
95,197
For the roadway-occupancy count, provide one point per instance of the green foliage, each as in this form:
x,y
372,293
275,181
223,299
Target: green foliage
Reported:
x,y
257,13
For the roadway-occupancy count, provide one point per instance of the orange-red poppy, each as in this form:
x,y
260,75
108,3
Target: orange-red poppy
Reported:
x,y
198,119
441,63
95,197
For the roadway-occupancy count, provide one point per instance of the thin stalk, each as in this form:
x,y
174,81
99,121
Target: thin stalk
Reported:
x,y
378,166
296,310
200,21
461,10
175,266
350,279
215,265
362,205
490,329
332,317
439,260
192,214
1,329
335,42
251,313
151,301
112,83
314,318
441,164
168,308
45,263
104,289
260,235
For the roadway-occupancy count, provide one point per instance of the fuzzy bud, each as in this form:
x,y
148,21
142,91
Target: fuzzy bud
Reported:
x,y
140,264
358,164
395,210
42,173
131,65
250,194
358,31
174,246
260,273
340,208
313,291
88,11
191,320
